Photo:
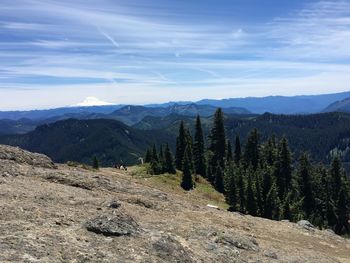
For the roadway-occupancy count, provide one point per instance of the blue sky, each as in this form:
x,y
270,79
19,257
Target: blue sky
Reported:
x,y
57,53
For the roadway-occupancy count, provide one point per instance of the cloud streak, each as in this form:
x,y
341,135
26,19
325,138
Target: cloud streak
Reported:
x,y
161,50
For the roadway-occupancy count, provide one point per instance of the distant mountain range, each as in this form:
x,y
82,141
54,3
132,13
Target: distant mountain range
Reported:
x,y
281,105
274,104
129,115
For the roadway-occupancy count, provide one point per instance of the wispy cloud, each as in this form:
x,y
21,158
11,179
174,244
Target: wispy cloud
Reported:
x,y
151,49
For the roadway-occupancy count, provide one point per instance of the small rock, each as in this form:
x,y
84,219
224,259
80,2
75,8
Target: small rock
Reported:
x,y
270,254
170,250
306,225
114,204
238,241
113,225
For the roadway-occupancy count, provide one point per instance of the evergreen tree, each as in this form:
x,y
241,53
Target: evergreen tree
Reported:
x,y
271,208
218,139
342,225
258,194
161,158
180,146
336,178
251,150
229,155
169,161
230,188
148,156
198,150
154,154
306,191
187,181
251,197
95,163
270,151
241,190
267,182
219,179
238,151
283,171
286,212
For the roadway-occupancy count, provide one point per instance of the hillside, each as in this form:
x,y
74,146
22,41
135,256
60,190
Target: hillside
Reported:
x,y
57,213
112,141
79,140
340,106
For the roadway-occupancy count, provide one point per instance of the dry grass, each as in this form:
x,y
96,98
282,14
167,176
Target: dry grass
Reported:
x,y
203,193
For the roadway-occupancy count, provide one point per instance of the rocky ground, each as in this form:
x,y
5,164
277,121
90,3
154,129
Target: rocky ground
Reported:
x,y
60,213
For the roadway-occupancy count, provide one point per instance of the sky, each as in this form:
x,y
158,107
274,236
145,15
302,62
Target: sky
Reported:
x,y
77,52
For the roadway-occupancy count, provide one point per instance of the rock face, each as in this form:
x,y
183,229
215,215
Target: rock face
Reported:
x,y
19,156
57,213
113,225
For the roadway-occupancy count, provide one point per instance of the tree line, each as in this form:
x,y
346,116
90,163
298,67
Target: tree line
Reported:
x,y
259,178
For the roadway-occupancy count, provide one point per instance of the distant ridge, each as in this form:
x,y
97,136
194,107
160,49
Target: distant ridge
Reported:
x,y
340,106
281,104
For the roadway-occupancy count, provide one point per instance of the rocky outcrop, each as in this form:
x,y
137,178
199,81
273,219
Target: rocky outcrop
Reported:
x,y
17,155
117,224
58,213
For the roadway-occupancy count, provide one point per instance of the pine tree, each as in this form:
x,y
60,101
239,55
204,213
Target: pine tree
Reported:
x,y
154,154
230,188
198,150
306,190
336,178
251,150
270,151
187,181
251,197
95,163
342,212
258,193
169,161
229,155
180,146
148,156
283,172
218,139
241,190
161,158
238,151
272,203
286,208
219,179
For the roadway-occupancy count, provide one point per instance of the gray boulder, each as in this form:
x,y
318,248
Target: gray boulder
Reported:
x,y
113,225
306,225
238,241
170,250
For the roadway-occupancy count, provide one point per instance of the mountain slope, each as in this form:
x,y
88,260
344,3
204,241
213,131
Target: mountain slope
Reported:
x,y
79,140
68,214
340,106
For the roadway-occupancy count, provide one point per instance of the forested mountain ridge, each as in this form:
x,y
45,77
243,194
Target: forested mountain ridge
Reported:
x,y
322,135
79,140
